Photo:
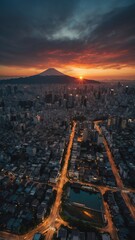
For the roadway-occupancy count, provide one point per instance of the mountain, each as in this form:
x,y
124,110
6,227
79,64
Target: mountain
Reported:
x,y
51,72
49,76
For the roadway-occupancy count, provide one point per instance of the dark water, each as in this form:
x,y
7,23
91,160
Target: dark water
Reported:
x,y
89,199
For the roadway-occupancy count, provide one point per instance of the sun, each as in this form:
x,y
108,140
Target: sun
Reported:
x,y
81,77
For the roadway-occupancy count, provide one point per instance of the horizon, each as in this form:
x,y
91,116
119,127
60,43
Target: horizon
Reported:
x,y
92,39
80,77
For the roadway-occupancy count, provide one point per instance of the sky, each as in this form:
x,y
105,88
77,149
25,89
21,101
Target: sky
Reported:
x,y
90,38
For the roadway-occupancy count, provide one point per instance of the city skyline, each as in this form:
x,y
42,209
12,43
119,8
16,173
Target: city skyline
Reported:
x,y
92,39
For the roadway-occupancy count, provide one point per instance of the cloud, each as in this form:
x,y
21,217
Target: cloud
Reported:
x,y
114,37
37,33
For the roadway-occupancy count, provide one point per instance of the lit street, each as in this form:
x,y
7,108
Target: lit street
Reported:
x,y
54,221
117,176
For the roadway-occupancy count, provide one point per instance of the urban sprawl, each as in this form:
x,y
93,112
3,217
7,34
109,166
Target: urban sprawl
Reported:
x,y
67,162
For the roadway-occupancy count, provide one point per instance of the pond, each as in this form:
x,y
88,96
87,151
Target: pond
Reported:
x,y
90,199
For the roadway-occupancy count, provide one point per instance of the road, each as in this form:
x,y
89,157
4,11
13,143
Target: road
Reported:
x,y
56,207
110,228
116,174
53,221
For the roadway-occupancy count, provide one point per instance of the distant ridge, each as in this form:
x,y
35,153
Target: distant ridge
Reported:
x,y
49,76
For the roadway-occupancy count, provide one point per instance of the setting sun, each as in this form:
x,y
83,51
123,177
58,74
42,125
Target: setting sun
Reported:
x,y
81,77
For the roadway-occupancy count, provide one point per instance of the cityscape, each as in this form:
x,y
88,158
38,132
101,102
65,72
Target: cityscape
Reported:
x,y
67,161
67,120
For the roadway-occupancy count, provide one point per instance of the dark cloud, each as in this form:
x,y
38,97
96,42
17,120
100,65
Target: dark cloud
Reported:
x,y
36,32
115,35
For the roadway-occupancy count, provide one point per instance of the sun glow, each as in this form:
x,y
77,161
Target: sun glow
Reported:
x,y
81,77
80,72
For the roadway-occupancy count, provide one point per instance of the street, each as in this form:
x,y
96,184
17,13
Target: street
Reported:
x,y
116,175
54,220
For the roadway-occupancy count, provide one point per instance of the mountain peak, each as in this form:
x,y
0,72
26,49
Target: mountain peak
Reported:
x,y
51,72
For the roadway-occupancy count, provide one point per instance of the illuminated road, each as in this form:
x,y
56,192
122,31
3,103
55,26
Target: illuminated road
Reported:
x,y
110,228
53,222
117,176
55,209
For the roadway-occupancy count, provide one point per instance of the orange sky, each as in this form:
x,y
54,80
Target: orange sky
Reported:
x,y
76,71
